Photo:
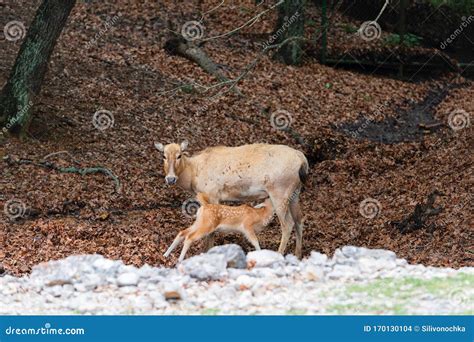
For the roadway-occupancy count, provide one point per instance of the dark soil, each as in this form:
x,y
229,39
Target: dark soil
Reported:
x,y
407,125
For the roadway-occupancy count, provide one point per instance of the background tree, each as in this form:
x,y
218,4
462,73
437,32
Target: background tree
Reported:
x,y
31,64
290,23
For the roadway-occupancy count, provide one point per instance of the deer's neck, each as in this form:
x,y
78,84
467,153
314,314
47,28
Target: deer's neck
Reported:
x,y
186,176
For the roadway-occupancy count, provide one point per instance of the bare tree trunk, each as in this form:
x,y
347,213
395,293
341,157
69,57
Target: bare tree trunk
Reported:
x,y
290,23
402,28
31,64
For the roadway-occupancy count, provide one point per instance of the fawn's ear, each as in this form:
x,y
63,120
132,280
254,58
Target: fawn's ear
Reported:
x,y
160,147
184,145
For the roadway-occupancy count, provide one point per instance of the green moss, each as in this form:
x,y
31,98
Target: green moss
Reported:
x,y
296,312
210,312
395,295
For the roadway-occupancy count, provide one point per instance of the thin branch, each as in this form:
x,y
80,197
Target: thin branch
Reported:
x,y
211,10
247,23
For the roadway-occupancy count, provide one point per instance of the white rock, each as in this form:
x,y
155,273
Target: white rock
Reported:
x,y
313,273
317,258
245,281
104,264
264,258
128,279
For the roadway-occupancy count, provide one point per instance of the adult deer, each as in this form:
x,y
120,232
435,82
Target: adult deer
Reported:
x,y
244,173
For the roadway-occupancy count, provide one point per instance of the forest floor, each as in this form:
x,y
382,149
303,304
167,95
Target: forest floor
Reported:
x,y
371,137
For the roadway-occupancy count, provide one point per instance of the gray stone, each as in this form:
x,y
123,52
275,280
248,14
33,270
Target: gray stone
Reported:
x,y
234,255
370,265
359,252
205,266
264,258
344,272
292,260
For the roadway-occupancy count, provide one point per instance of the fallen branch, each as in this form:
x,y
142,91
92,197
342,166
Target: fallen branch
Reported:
x,y
71,169
179,46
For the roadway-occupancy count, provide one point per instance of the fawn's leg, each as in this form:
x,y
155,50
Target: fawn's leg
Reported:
x,y
198,232
176,241
209,239
181,235
186,245
249,233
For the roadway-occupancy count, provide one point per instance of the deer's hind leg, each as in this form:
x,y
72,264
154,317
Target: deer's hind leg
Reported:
x,y
281,207
297,217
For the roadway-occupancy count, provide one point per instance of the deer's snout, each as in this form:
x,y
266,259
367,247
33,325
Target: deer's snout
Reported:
x,y
170,180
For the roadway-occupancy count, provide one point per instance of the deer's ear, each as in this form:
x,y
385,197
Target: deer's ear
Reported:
x,y
184,145
159,147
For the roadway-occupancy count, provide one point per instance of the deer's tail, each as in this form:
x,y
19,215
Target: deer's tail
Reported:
x,y
303,172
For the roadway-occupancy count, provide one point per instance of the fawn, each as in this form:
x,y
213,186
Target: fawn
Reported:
x,y
218,217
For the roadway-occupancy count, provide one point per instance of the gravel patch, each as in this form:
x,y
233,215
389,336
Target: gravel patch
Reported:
x,y
226,281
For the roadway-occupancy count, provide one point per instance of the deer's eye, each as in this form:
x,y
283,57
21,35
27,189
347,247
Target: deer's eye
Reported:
x,y
164,158
178,156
